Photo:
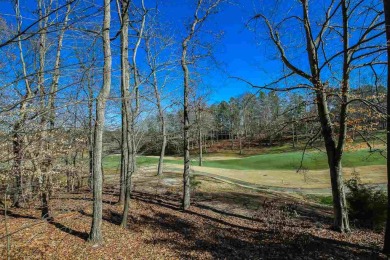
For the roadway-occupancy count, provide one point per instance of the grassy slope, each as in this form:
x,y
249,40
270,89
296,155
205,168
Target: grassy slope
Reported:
x,y
291,161
112,162
276,161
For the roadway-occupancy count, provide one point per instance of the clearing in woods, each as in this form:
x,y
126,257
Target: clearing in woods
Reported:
x,y
275,170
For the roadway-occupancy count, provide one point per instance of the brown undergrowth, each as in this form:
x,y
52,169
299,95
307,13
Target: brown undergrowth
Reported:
x,y
229,224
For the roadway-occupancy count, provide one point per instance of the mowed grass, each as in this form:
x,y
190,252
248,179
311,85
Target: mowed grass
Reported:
x,y
276,161
292,161
111,163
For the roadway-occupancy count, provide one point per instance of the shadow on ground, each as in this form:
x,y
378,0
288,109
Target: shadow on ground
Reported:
x,y
212,228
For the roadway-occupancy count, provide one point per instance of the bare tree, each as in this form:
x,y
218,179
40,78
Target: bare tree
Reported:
x,y
386,247
132,112
37,104
123,11
51,114
155,44
95,235
202,11
18,139
318,60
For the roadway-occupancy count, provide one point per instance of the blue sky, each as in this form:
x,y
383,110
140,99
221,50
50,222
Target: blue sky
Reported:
x,y
239,52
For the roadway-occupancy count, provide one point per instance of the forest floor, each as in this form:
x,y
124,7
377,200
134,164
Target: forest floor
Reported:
x,y
225,221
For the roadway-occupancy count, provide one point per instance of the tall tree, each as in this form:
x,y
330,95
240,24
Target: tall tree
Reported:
x,y
18,139
125,81
386,247
95,235
202,11
132,109
43,164
156,43
318,60
51,113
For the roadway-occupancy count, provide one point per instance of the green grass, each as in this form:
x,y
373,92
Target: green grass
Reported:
x,y
112,162
291,161
321,199
276,161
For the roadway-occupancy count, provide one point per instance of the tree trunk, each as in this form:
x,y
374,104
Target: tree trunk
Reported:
x,y
341,222
162,152
127,202
200,139
41,156
45,212
386,248
131,169
131,113
68,181
122,180
186,172
17,168
48,110
95,235
125,81
90,132
293,135
240,143
186,81
154,67
124,144
126,163
200,148
97,178
186,127
162,122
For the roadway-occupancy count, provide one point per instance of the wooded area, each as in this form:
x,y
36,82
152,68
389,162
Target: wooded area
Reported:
x,y
120,140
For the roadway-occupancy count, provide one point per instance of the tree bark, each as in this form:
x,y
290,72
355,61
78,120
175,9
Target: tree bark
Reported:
x,y
162,151
90,131
200,137
95,235
17,192
163,128
131,113
131,170
341,222
43,161
124,160
186,144
123,10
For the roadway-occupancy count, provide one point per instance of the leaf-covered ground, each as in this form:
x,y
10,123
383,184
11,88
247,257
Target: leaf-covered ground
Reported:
x,y
224,222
